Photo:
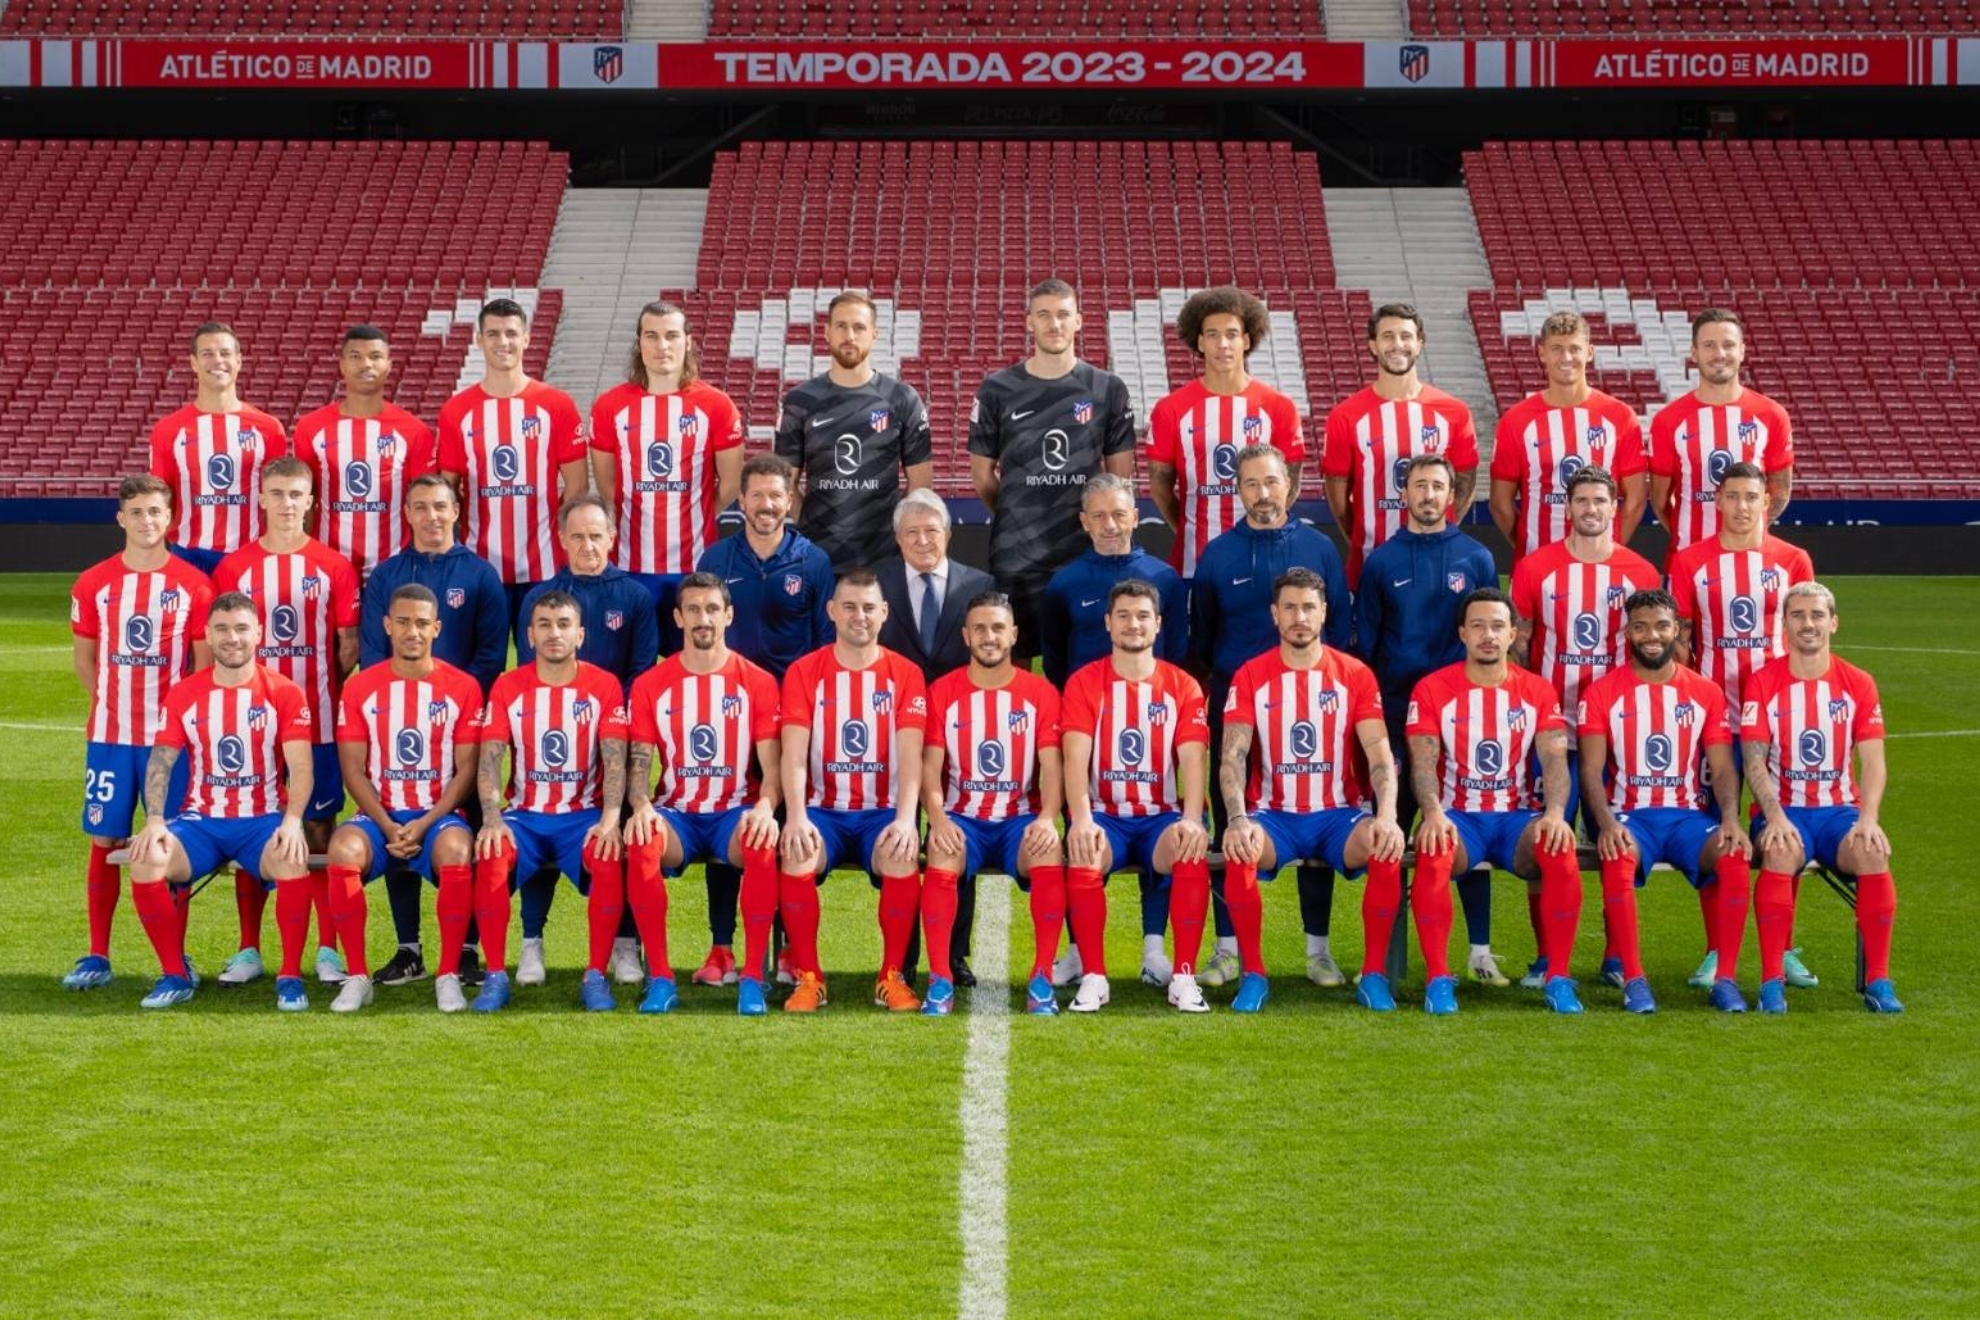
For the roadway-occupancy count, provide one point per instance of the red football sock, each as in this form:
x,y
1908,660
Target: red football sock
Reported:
x,y
605,906
1708,912
155,909
1559,908
1619,911
797,899
103,883
326,911
1735,887
347,897
1048,916
293,903
938,919
251,901
900,904
758,902
1429,902
1773,913
1247,908
454,907
1876,907
491,907
646,895
1189,909
1086,909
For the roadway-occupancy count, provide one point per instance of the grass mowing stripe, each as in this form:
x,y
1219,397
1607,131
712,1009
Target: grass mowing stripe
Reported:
x,y
984,1099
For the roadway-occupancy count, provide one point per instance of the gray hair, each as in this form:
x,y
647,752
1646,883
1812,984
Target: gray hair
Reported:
x,y
920,499
1811,588
1107,483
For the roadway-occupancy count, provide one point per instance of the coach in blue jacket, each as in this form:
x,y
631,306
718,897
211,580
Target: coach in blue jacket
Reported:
x,y
621,628
778,580
474,609
1072,614
1406,620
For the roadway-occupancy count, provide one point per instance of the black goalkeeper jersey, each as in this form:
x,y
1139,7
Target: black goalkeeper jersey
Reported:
x,y
852,444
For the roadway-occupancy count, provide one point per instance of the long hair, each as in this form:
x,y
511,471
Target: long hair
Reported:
x,y
690,361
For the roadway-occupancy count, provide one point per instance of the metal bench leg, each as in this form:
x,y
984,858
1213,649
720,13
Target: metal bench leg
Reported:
x,y
1396,965
1845,889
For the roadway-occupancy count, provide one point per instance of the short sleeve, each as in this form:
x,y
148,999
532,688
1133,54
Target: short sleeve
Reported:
x,y
1192,711
795,712
450,450
171,727
344,593
725,419
1163,444
1337,445
1718,728
986,437
1076,712
1463,450
1367,694
1630,461
603,438
293,707
1663,444
1288,432
911,699
566,429
1780,456
1508,453
350,714
764,706
83,620
1048,715
1525,591
1421,721
1120,420
645,728
1238,702
1869,724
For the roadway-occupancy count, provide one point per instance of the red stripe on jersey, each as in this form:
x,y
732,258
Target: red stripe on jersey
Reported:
x,y
1485,735
1691,442
213,463
1811,727
234,737
144,625
1657,733
304,598
1734,601
991,738
364,466
1199,433
1370,438
1137,726
663,449
1304,746
411,729
506,454
705,727
1576,610
555,735
853,715
1540,446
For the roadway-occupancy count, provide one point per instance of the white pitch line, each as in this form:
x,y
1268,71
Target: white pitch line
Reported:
x,y
985,1111
1936,733
1906,650
42,728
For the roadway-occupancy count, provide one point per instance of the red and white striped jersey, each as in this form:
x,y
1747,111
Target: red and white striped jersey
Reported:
x,y
1693,443
1199,434
1371,439
213,463
505,453
144,625
411,729
363,467
1576,608
1539,446
663,448
1305,753
235,737
305,598
1137,727
1657,733
1486,735
991,738
1811,727
555,735
853,716
706,727
1733,600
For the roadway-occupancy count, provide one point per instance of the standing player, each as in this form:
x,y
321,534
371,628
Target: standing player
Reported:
x,y
210,453
991,788
848,432
1649,731
854,716
515,449
1194,434
1038,432
711,716
564,722
1372,435
1073,613
1473,728
308,597
365,451
1311,711
139,620
406,736
1134,735
1546,437
667,455
1802,718
1693,440
248,732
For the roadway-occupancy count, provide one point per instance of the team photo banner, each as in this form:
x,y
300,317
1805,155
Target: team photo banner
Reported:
x,y
990,67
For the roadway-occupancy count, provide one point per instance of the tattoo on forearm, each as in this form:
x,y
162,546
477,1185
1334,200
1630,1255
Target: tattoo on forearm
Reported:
x,y
1231,767
1423,751
614,751
641,774
1382,783
1553,770
158,780
1766,795
489,777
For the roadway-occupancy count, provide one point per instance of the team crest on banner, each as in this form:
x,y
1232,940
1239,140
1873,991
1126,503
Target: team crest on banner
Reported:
x,y
883,703
878,419
456,597
1455,581
1158,713
1083,412
257,717
581,710
793,585
1413,61
1598,437
608,62
615,620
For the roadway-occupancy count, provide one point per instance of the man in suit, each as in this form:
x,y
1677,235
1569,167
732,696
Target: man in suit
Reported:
x,y
928,595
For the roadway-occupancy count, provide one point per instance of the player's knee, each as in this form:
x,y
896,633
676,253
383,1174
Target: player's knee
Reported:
x,y
1786,857
453,848
349,847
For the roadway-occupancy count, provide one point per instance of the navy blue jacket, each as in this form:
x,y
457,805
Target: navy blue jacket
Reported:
x,y
474,610
1231,597
1407,612
779,601
621,624
1072,614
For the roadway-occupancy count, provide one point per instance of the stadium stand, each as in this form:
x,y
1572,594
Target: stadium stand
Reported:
x,y
234,18
1860,314
947,240
1668,18
963,19
114,236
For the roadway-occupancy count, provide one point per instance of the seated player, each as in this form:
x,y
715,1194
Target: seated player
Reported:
x,y
1134,736
248,730
1472,728
408,744
1309,709
854,714
1823,708
711,716
1649,732
991,788
565,723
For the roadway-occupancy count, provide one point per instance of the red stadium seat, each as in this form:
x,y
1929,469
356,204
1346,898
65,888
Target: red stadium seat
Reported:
x,y
1670,18
588,19
947,20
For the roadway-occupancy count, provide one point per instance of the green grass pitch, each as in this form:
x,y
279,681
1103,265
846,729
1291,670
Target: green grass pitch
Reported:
x,y
223,1159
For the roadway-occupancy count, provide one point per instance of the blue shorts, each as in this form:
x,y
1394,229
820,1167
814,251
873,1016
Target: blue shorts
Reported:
x,y
1821,829
203,560
704,835
544,842
995,843
422,865
1672,835
1299,836
849,837
113,787
1491,836
211,843
1132,838
326,796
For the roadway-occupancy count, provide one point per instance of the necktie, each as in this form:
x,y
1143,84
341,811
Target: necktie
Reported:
x,y
931,615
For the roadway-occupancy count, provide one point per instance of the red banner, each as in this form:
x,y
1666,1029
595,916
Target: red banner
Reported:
x,y
1727,65
1014,65
291,64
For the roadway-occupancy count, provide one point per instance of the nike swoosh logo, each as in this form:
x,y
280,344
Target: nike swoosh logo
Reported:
x,y
1089,604
817,422
1405,582
1238,582
1020,416
732,581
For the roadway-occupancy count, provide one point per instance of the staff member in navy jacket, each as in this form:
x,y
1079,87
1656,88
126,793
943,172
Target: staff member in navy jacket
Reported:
x,y
1073,612
1413,587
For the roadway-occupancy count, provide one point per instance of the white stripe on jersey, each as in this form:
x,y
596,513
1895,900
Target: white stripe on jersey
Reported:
x,y
362,492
